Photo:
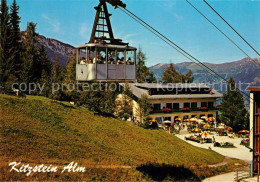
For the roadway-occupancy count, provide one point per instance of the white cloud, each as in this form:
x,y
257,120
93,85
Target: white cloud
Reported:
x,y
54,24
84,31
168,4
178,17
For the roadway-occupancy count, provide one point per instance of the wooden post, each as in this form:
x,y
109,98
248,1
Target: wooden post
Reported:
x,y
95,61
135,65
115,56
125,64
86,59
236,174
77,56
106,63
258,167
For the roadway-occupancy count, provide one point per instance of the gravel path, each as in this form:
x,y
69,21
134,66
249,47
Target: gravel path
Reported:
x,y
240,152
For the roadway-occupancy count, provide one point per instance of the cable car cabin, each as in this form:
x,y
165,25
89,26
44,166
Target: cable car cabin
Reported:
x,y
98,62
105,58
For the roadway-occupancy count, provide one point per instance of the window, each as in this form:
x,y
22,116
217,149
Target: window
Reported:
x,y
90,55
120,57
111,56
169,105
193,116
130,57
175,105
82,56
100,56
204,104
157,106
186,104
194,105
210,104
159,119
167,118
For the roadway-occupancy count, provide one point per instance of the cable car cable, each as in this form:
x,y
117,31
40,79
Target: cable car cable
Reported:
x,y
147,25
180,49
222,32
172,42
167,42
232,28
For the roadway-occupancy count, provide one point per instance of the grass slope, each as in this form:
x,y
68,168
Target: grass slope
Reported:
x,y
39,130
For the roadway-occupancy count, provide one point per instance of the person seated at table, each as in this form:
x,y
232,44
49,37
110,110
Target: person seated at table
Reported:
x,y
96,59
83,60
129,61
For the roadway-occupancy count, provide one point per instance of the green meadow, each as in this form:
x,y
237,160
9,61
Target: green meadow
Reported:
x,y
39,130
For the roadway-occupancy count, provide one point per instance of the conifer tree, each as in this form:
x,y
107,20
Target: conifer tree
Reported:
x,y
234,112
44,61
142,71
57,79
109,97
57,71
46,71
45,82
30,69
124,107
15,38
144,109
6,64
70,76
171,75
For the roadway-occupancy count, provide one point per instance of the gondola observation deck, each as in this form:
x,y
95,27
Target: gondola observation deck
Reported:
x,y
104,58
97,62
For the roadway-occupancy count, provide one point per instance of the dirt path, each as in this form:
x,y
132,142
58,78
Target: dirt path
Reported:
x,y
224,162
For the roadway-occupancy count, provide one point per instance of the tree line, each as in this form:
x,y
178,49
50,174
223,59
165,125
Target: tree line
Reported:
x,y
21,60
24,60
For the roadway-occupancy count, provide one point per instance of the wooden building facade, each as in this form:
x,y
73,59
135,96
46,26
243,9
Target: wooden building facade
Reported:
x,y
255,128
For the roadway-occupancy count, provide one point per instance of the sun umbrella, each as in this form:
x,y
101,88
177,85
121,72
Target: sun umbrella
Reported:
x,y
200,121
193,119
205,134
206,126
204,117
221,127
166,122
228,128
244,132
211,119
196,130
178,119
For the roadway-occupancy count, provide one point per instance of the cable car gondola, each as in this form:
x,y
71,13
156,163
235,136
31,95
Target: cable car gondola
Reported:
x,y
104,58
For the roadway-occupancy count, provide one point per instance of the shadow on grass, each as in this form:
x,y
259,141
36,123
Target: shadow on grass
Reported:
x,y
160,172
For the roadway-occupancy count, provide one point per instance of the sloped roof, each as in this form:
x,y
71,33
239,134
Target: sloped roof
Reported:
x,y
138,89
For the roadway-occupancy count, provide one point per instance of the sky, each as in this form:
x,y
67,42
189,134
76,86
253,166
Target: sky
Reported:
x,y
71,21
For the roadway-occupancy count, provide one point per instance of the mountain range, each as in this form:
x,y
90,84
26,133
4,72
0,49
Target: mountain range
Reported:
x,y
244,70
55,48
